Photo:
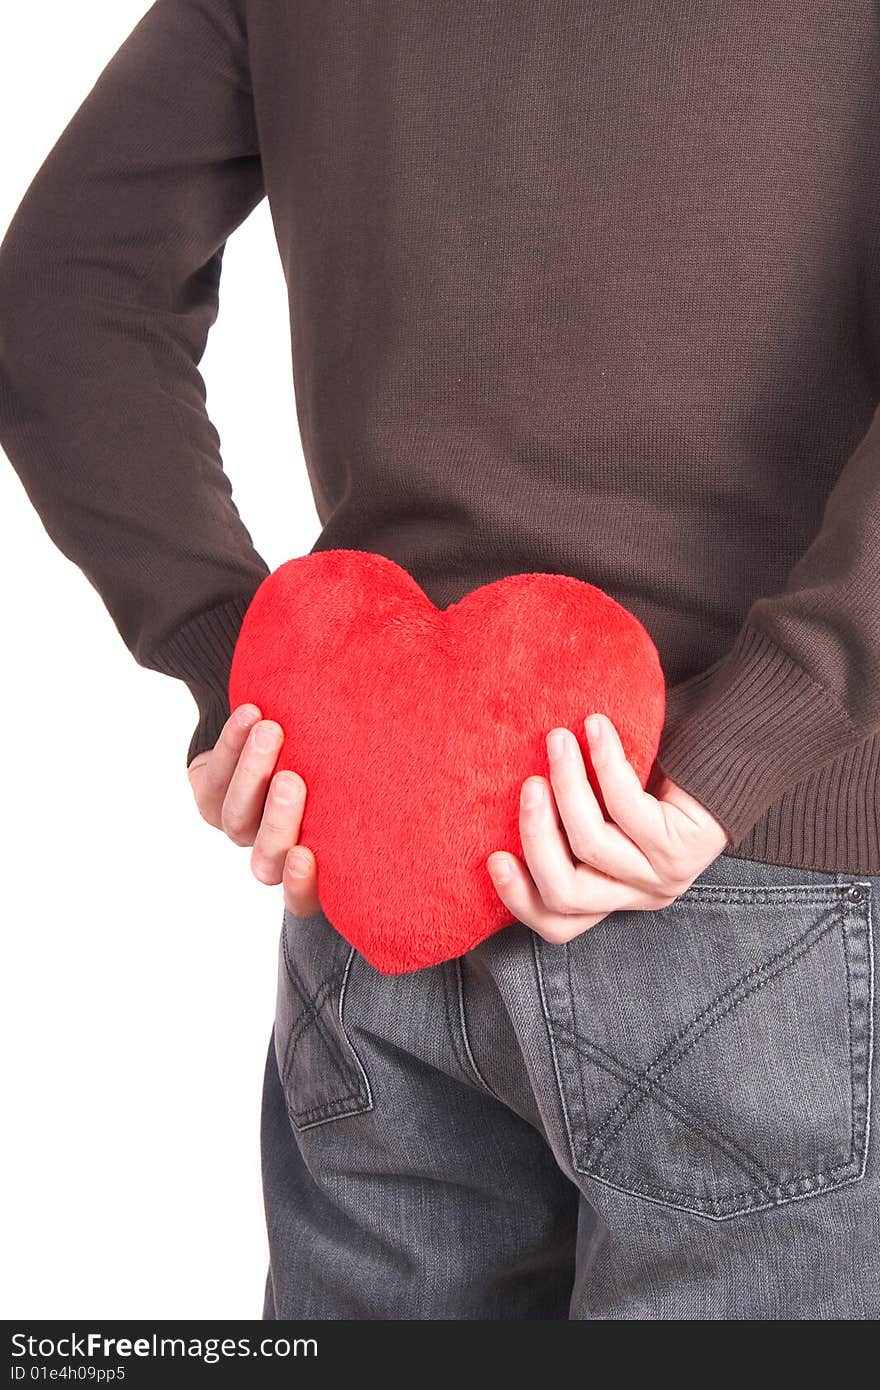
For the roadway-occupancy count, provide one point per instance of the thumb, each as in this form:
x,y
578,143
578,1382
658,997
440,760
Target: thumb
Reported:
x,y
300,882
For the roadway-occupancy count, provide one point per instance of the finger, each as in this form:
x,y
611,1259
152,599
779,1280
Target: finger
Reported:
x,y
210,772
279,826
592,839
544,846
517,890
693,811
301,882
245,798
567,888
594,893
635,811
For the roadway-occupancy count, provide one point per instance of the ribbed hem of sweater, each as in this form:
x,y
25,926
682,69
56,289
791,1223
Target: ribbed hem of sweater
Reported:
x,y
830,821
775,760
733,735
200,653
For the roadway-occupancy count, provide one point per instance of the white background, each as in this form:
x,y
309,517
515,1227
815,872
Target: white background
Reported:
x,y
138,952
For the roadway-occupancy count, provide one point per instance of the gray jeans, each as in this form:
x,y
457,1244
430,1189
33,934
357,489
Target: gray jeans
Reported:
x,y
668,1118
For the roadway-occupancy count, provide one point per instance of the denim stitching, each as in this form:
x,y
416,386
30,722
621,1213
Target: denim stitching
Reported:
x,y
812,1180
465,1037
712,1023
311,1008
328,1110
445,993
343,990
852,1060
311,1016
814,1184
457,1032
861,1083
705,1013
822,1181
769,1186
869,1041
571,995
635,1186
767,894
560,1087
333,1109
307,1018
699,1124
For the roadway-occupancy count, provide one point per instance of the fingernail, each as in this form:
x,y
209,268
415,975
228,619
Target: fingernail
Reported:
x,y
247,714
499,868
300,863
532,792
594,729
288,784
556,743
267,737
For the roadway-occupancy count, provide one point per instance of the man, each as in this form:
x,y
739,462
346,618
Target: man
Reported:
x,y
575,287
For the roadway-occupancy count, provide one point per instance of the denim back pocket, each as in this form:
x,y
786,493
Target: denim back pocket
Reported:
x,y
321,1073
734,1074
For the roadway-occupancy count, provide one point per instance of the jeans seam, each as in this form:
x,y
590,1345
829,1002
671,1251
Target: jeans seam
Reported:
x,y
554,1056
571,994
796,1188
814,1183
311,1015
364,1093
714,1013
308,1017
764,895
861,1085
465,1036
713,1022
852,1060
869,1057
635,1187
690,1118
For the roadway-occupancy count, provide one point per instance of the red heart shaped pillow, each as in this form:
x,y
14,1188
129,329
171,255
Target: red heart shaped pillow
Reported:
x,y
415,726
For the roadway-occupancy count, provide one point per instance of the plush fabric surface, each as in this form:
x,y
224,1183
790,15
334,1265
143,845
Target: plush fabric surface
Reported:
x,y
414,728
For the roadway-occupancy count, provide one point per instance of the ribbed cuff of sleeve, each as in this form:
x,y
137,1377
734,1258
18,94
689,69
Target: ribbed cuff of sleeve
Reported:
x,y
740,734
200,653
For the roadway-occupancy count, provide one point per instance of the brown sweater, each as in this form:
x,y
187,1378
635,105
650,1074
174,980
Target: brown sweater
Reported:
x,y
579,287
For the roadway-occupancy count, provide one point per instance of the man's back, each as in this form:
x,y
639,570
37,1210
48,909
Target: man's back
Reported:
x,y
576,288
564,280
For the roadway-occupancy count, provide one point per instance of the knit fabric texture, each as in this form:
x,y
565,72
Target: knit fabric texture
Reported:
x,y
584,289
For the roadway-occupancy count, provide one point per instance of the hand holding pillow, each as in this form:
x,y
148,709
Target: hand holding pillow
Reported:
x,y
578,865
413,729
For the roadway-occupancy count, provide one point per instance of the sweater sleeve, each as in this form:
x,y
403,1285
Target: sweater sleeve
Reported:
x,y
109,283
800,684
